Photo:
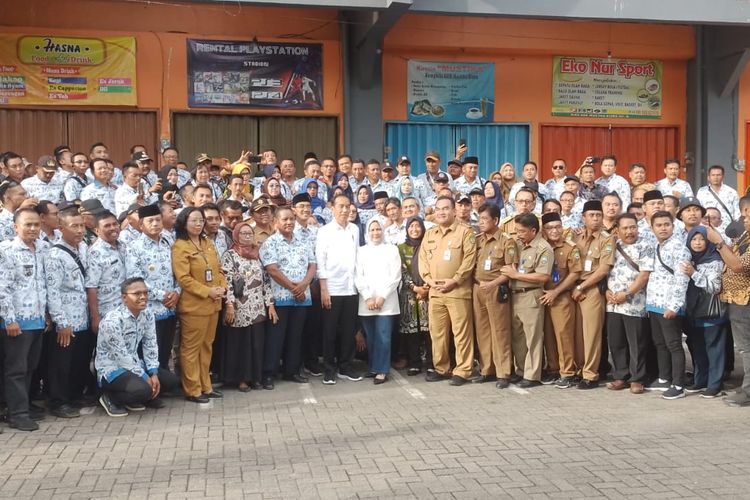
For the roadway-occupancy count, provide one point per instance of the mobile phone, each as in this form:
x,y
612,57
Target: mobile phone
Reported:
x,y
140,188
462,143
254,159
593,159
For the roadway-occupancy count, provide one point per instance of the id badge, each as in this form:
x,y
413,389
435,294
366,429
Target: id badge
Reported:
x,y
447,255
587,266
488,264
209,276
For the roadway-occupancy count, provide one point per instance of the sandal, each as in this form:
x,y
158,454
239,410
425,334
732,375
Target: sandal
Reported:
x,y
243,387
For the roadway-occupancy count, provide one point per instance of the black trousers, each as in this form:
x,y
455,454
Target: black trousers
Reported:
x,y
667,336
628,345
284,336
338,324
68,371
21,356
242,359
415,343
130,389
165,329
312,339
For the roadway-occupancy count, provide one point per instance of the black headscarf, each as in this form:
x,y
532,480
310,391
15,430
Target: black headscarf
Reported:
x,y
369,204
415,243
710,254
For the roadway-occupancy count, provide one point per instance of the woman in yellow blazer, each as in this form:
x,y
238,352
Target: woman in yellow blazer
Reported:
x,y
198,271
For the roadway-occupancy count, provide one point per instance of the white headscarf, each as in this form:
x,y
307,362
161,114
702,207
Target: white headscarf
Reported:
x,y
367,232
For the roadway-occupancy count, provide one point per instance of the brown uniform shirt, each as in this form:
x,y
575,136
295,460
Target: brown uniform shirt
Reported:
x,y
596,249
261,235
567,260
534,257
449,253
508,225
493,252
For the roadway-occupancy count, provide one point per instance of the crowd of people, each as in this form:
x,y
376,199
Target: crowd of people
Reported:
x,y
128,283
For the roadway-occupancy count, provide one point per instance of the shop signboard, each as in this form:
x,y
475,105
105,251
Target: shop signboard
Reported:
x,y
455,92
606,87
61,70
255,74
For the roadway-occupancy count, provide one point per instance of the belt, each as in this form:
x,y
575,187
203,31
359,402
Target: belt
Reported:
x,y
524,290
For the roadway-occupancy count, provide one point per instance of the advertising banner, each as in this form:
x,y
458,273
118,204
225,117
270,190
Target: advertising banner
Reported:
x,y
56,70
460,92
614,88
255,74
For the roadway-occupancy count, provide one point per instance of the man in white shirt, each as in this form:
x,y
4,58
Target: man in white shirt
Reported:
x,y
613,182
43,185
556,185
336,255
720,196
672,184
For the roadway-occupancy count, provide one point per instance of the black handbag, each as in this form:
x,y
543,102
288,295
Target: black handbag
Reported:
x,y
703,305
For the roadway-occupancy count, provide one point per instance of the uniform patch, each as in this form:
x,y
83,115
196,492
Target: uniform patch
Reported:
x,y
511,252
543,259
576,254
608,248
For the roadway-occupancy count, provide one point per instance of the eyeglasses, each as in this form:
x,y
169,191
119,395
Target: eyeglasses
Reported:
x,y
246,234
138,294
196,221
558,167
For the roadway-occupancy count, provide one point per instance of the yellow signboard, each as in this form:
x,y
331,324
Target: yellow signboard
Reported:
x,y
59,70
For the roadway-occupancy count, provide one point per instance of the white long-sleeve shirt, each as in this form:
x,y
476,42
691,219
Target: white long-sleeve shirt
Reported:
x,y
378,275
336,254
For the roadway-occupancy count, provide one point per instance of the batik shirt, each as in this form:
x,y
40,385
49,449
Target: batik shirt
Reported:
x,y
120,335
678,186
37,188
221,242
128,235
297,186
105,273
66,290
183,177
73,186
7,226
104,193
572,220
307,235
23,292
152,261
728,197
293,258
623,274
645,233
617,184
395,234
555,188
541,196
586,193
116,177
381,185
126,196
464,186
665,289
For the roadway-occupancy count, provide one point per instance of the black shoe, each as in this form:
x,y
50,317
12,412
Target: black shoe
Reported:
x,y
712,393
433,376
268,383
413,371
350,375
565,382
587,384
457,381
202,399
313,369
370,375
502,383
135,407
87,401
528,384
481,379
550,378
23,424
65,411
36,412
515,378
216,380
214,394
329,378
694,388
256,386
156,403
298,379
377,380
112,409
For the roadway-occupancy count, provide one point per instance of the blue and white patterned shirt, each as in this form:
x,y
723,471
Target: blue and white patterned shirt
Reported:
x,y
106,272
623,274
128,235
152,261
572,220
666,290
37,188
73,186
7,226
23,291
307,235
293,258
541,196
381,185
66,291
120,335
126,196
728,197
463,186
617,184
555,188
678,186
104,193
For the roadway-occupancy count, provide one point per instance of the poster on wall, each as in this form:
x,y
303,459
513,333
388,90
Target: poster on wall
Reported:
x,y
255,74
439,91
56,70
605,87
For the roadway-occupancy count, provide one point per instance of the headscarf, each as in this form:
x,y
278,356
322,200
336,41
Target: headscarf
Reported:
x,y
506,186
498,198
164,176
710,254
400,195
250,252
338,189
369,204
268,171
315,201
358,222
279,200
237,170
348,190
415,276
372,221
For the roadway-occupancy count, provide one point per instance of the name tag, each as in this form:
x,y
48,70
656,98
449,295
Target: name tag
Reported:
x,y
487,264
447,255
587,265
209,275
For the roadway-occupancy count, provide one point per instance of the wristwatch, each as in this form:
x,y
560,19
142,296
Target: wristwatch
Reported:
x,y
719,246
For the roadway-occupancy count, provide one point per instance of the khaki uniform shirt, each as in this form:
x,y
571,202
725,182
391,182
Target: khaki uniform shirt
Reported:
x,y
596,249
567,260
493,252
535,257
508,225
449,253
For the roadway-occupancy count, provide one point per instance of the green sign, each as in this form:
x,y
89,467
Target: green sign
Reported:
x,y
606,87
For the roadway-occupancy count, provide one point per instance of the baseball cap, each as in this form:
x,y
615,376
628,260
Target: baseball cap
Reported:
x,y
202,157
47,163
262,202
403,160
433,155
141,156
